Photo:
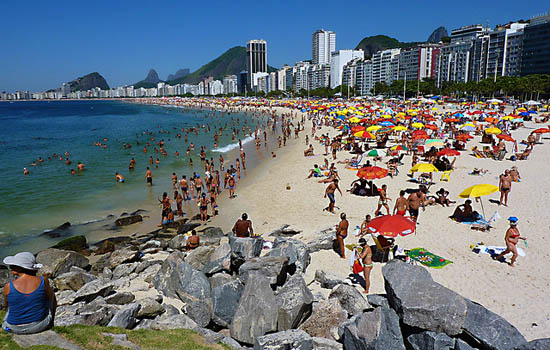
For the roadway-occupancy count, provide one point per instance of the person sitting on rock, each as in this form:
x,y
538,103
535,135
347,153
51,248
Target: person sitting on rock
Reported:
x,y
29,299
243,227
193,241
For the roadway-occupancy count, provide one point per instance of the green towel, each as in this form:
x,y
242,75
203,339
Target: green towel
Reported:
x,y
428,259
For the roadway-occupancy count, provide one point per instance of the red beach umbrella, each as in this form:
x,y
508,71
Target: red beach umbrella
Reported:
x,y
448,152
431,126
392,225
372,172
541,131
506,137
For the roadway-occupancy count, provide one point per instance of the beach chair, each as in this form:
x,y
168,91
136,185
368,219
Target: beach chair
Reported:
x,y
384,246
445,175
357,163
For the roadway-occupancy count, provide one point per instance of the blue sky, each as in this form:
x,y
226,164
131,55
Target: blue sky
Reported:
x,y
45,43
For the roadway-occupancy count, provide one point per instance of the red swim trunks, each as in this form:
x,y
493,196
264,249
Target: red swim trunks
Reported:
x,y
401,212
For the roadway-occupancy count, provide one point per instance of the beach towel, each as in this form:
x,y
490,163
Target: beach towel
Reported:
x,y
481,248
428,259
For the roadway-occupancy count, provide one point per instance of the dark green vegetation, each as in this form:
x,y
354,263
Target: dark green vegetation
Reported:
x,y
89,82
371,44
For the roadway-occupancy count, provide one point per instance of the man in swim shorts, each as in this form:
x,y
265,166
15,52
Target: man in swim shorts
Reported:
x,y
383,200
329,192
149,177
400,207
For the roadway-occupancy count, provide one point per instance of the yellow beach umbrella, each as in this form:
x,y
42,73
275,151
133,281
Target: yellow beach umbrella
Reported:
x,y
423,168
417,125
354,120
508,117
374,128
493,131
480,190
434,109
399,128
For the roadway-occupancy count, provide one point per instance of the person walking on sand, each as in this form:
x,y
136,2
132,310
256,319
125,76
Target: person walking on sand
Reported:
x,y
511,239
329,192
366,259
400,207
166,208
203,206
413,204
231,184
383,200
149,177
342,233
504,186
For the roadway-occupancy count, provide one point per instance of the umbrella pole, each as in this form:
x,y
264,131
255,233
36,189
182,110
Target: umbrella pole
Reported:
x,y
482,210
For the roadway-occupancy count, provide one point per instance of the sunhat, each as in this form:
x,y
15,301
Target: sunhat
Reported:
x,y
25,260
513,220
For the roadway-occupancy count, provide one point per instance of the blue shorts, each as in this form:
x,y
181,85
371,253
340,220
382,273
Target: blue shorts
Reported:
x,y
331,197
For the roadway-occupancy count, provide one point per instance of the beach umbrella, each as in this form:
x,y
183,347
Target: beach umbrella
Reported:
x,y
354,120
448,152
386,123
451,120
358,128
399,148
493,131
431,127
373,153
399,128
467,128
374,128
364,134
423,168
541,131
391,226
477,191
372,172
434,143
506,137
464,137
417,125
508,117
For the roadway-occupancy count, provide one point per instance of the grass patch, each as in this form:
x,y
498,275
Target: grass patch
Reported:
x,y
91,337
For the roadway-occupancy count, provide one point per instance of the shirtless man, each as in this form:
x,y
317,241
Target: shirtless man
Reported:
x,y
243,227
80,166
329,192
400,207
504,186
119,178
203,205
198,185
342,233
184,187
174,181
383,200
149,177
413,204
231,184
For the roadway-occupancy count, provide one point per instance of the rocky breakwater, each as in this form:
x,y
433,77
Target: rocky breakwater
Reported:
x,y
232,290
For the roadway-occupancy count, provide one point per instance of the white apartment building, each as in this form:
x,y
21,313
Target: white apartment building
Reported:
x,y
418,63
323,44
256,59
281,78
385,66
339,59
230,84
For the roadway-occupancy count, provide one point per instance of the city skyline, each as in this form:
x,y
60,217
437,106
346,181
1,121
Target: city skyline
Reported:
x,y
47,45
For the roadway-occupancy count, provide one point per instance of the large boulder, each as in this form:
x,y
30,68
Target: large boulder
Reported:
x,y
96,313
178,321
122,256
350,298
126,317
226,298
211,232
326,344
489,329
128,220
60,231
295,300
124,270
274,268
244,248
327,315
220,279
284,231
374,330
537,344
199,257
257,312
184,228
56,261
120,298
294,339
200,311
326,279
179,242
324,240
73,280
94,289
430,341
150,308
462,345
76,244
420,302
220,260
295,250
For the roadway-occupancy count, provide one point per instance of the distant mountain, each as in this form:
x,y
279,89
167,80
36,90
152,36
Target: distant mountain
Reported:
x,y
233,61
88,82
437,35
372,44
179,74
150,81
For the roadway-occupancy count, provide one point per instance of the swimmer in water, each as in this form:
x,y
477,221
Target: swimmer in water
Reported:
x,y
25,171
119,178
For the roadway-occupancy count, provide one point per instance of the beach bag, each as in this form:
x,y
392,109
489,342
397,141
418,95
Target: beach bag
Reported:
x,y
357,267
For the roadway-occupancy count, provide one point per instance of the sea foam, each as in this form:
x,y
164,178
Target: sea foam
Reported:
x,y
232,146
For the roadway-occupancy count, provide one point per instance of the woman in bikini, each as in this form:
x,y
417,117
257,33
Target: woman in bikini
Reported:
x,y
363,231
366,258
511,239
203,205
342,233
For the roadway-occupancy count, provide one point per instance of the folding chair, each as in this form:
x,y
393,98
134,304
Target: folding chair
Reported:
x,y
383,246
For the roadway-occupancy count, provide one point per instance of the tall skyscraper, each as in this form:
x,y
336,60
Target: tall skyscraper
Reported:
x,y
323,44
256,59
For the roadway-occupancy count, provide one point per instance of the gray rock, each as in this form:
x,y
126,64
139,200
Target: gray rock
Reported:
x,y
65,321
199,311
178,242
210,241
121,340
68,314
327,280
122,256
212,232
60,231
149,308
420,302
491,330
462,345
57,262
295,300
170,310
180,321
199,257
126,317
257,312
378,300
145,264
243,249
223,251
150,273
291,339
324,321
210,336
65,297
93,289
326,344
144,324
128,220
97,314
376,330
220,279
184,228
213,267
48,338
272,267
296,252
99,266
284,231
153,243
323,241
107,273
120,298
226,299
350,298
537,344
430,341
5,277
73,280
124,270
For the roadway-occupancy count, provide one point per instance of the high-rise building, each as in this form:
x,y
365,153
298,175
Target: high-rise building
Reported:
x,y
256,59
230,84
323,44
385,66
338,61
418,63
535,58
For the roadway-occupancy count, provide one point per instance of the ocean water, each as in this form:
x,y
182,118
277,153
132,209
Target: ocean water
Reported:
x,y
50,195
